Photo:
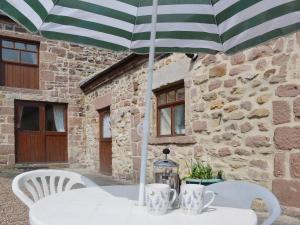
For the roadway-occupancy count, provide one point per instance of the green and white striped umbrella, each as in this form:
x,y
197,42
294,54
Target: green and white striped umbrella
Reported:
x,y
182,25
144,26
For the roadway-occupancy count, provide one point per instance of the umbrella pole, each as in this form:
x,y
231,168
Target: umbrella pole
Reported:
x,y
146,126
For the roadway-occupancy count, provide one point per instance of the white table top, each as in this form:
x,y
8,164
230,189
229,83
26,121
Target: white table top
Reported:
x,y
96,206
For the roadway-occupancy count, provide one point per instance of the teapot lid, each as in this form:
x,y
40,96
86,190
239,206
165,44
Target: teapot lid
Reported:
x,y
165,163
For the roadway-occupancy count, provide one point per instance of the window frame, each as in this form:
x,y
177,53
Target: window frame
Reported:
x,y
172,106
14,40
49,132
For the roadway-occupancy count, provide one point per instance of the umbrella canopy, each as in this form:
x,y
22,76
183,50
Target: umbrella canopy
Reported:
x,y
182,25
144,26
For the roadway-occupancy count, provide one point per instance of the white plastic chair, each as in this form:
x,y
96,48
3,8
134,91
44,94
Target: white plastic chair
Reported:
x,y
42,183
240,194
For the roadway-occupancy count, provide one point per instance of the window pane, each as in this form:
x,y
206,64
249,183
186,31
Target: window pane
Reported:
x,y
106,129
31,48
19,45
8,44
180,94
179,119
10,55
28,57
165,121
29,118
55,118
171,96
162,99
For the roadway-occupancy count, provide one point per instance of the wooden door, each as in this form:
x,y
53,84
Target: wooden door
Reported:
x,y
30,139
105,142
41,132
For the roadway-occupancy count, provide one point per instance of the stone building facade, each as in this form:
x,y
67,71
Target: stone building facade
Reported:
x,y
61,67
242,112
241,115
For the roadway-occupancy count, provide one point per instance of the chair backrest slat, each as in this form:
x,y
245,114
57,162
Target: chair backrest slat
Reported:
x,y
240,194
31,190
45,186
52,185
69,185
60,184
39,186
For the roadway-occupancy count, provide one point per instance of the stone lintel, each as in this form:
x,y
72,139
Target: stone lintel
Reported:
x,y
103,102
172,140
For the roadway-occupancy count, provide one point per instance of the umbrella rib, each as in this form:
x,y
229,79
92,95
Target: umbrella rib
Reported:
x,y
219,34
135,21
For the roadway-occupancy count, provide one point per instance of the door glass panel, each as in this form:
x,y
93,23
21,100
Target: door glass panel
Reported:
x,y
29,118
179,119
10,55
180,94
29,57
106,128
20,45
8,44
171,96
32,48
165,121
55,118
162,99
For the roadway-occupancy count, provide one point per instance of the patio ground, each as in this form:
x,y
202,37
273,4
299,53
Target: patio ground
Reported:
x,y
13,212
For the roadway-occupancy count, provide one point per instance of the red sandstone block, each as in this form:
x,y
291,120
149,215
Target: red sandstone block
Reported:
x,y
229,83
7,149
295,165
6,111
287,138
214,84
223,152
199,126
281,112
136,163
75,122
7,128
287,191
259,163
296,107
279,168
257,141
288,90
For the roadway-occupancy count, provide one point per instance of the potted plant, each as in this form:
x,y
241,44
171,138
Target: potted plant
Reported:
x,y
203,174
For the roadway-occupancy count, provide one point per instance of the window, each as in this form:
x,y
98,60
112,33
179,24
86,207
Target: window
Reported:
x,y
55,117
29,118
19,64
171,111
19,52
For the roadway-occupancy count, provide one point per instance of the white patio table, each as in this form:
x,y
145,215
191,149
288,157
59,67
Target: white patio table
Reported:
x,y
117,205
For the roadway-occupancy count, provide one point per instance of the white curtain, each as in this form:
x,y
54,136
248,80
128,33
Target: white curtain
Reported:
x,y
59,117
20,116
106,129
179,119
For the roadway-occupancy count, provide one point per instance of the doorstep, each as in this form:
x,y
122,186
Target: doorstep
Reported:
x,y
34,166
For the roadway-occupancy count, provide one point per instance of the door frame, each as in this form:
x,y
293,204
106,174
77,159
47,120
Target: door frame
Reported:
x,y
102,112
42,125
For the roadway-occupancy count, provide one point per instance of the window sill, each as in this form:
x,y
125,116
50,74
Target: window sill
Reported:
x,y
182,140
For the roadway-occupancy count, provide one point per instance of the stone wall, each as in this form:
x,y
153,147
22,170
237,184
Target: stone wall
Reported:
x,y
126,105
242,116
62,67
